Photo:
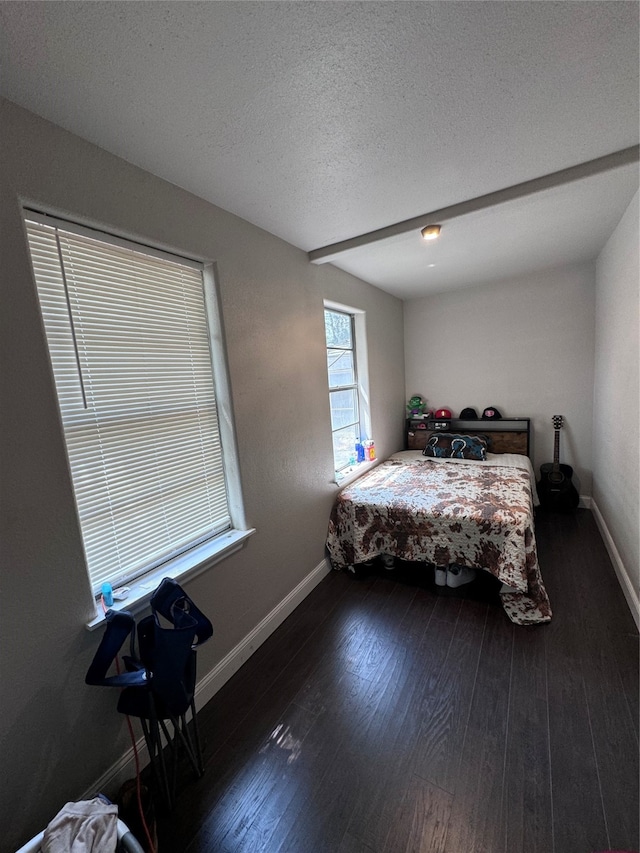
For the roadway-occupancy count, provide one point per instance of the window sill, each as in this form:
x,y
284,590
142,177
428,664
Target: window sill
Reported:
x,y
182,568
355,471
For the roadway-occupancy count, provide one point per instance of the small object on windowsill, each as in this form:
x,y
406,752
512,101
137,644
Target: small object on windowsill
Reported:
x,y
346,475
369,450
121,593
345,472
107,594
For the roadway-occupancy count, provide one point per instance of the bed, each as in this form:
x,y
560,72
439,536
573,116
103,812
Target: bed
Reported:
x,y
442,511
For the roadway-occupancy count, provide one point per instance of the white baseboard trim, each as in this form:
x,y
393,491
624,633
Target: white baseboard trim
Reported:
x,y
231,663
630,593
123,769
585,502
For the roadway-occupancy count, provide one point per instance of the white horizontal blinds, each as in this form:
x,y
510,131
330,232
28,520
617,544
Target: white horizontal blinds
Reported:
x,y
129,345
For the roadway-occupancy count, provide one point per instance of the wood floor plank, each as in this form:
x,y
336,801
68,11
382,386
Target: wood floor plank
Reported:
x,y
612,726
386,667
476,824
320,814
413,624
349,844
245,779
446,706
271,781
261,807
579,822
613,740
394,736
629,649
322,822
608,622
527,804
420,826
578,817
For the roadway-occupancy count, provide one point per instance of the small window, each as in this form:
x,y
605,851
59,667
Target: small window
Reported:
x,y
128,334
348,385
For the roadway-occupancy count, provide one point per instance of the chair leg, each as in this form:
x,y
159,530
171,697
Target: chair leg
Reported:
x,y
185,734
173,746
196,738
153,737
182,736
153,759
191,735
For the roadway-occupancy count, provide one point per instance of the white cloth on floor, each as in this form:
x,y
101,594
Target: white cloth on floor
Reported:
x,y
88,826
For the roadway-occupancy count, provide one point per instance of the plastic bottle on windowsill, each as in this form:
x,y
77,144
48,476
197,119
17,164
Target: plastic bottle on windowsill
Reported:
x,y
359,451
369,450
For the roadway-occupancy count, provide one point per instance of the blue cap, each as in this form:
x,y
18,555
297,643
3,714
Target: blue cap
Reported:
x,y
107,594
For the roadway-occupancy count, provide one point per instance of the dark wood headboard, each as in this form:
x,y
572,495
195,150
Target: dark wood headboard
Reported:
x,y
507,435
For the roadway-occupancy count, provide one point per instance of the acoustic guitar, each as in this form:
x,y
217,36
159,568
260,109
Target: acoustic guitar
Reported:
x,y
555,487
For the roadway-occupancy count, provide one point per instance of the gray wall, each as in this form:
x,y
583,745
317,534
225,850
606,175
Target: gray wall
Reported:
x,y
616,412
58,736
525,346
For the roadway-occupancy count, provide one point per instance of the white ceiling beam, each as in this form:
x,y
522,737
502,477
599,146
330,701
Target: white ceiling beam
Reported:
x,y
327,254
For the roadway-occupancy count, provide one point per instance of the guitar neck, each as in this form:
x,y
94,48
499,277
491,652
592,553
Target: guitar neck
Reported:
x,y
556,451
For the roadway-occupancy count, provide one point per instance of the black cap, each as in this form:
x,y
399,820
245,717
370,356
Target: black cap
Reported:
x,y
491,414
468,415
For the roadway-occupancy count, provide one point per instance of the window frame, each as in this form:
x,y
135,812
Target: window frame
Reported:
x,y
199,555
361,371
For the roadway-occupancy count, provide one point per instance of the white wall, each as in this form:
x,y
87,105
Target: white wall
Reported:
x,y
616,414
524,346
58,736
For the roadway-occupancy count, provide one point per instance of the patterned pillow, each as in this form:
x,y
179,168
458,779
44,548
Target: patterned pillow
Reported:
x,y
447,445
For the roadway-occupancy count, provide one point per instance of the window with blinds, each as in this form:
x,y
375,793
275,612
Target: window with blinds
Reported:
x,y
130,348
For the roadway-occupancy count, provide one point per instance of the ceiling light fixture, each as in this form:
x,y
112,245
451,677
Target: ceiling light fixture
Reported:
x,y
430,232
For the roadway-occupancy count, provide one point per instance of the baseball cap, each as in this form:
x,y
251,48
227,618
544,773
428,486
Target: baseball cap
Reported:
x,y
491,413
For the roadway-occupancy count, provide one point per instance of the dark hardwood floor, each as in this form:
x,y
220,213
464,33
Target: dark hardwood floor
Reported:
x,y
387,716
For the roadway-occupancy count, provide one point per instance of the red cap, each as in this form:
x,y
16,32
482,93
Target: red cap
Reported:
x,y
443,413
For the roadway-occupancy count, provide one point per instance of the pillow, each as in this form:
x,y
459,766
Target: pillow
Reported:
x,y
447,445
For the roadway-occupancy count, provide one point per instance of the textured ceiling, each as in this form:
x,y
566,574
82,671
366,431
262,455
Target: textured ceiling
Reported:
x,y
320,121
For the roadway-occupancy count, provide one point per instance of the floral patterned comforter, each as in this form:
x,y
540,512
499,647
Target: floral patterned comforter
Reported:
x,y
477,514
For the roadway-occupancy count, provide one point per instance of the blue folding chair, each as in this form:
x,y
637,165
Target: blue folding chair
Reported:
x,y
158,684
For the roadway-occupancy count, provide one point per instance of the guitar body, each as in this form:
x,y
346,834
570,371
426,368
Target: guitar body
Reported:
x,y
555,486
554,493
